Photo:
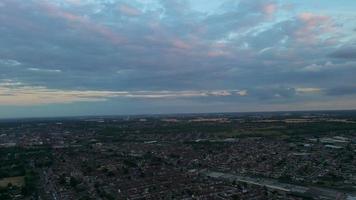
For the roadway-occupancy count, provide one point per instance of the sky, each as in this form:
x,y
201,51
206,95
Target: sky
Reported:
x,y
118,57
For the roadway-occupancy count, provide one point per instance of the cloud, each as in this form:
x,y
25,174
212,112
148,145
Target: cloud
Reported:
x,y
270,8
313,68
242,93
221,93
9,62
308,90
129,10
341,91
74,2
328,66
18,93
346,52
82,21
44,70
273,93
162,49
312,26
177,43
10,83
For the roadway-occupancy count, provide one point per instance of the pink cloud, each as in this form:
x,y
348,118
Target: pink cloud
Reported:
x,y
270,9
83,22
312,19
129,10
313,26
177,43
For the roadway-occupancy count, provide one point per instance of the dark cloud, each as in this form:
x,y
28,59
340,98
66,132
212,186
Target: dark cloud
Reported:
x,y
342,90
348,52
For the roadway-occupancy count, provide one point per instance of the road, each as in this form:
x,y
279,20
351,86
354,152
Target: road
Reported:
x,y
49,187
314,192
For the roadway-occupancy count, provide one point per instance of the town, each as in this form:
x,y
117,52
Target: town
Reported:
x,y
297,155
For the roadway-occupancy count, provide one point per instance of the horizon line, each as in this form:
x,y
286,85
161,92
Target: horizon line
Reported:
x,y
160,114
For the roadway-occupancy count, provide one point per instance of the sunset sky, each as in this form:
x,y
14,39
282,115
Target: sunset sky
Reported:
x,y
113,57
